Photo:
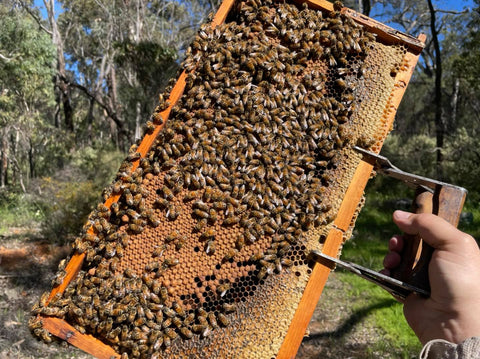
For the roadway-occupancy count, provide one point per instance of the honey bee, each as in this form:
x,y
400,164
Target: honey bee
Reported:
x,y
200,214
186,333
161,203
172,213
222,289
170,262
212,320
210,247
199,328
172,236
179,243
135,228
222,318
262,273
43,334
158,343
178,309
189,196
134,156
231,253
158,251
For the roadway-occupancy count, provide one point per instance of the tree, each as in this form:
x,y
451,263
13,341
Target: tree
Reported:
x,y
415,17
26,95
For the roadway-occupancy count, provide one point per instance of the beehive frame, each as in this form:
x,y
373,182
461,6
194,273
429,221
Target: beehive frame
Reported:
x,y
339,229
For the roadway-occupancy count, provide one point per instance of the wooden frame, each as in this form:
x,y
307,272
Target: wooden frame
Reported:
x,y
335,238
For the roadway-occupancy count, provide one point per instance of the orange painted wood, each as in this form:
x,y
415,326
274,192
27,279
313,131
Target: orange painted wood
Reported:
x,y
353,196
320,273
86,342
309,300
386,34
72,269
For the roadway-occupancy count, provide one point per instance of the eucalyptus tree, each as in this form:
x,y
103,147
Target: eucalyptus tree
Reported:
x,y
432,100
26,95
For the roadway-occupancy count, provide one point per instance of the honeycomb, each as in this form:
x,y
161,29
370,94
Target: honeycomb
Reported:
x,y
204,254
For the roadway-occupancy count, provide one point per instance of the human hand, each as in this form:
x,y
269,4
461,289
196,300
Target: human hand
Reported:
x,y
452,312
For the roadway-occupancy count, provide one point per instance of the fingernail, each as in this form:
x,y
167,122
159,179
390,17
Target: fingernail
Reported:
x,y
401,214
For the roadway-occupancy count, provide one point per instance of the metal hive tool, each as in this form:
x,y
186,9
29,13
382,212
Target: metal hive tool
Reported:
x,y
200,248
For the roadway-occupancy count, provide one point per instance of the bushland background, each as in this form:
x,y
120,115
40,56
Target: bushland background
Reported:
x,y
78,79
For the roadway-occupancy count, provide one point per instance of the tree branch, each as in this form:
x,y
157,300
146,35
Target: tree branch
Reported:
x,y
36,18
6,59
110,112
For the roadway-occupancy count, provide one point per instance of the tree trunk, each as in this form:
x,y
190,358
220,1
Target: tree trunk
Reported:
x,y
452,122
4,159
364,7
31,159
138,119
439,120
63,88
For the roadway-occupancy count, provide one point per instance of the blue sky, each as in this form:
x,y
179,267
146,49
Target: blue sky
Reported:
x,y
457,5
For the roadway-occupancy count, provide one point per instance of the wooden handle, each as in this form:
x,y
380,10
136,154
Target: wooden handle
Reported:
x,y
446,202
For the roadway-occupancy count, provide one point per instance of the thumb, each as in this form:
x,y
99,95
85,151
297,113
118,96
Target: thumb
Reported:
x,y
434,230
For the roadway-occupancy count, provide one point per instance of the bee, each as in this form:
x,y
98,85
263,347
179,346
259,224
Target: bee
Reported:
x,y
158,251
199,328
170,262
212,320
222,289
43,334
186,333
158,343
152,266
172,213
134,156
232,220
189,196
170,313
209,233
228,308
189,319
222,318
262,273
135,228
178,309
172,236
163,293
200,214
59,277
210,247
231,253
239,242
179,243
161,203
150,126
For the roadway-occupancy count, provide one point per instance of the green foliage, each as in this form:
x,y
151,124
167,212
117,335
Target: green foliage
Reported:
x,y
367,247
68,197
26,92
18,210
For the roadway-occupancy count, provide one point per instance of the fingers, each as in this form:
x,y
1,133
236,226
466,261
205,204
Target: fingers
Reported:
x,y
395,244
392,260
434,230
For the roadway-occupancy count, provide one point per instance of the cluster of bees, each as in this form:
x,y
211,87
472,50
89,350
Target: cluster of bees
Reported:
x,y
251,143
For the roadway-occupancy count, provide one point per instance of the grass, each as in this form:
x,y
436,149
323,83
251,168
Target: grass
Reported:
x,y
17,210
367,247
